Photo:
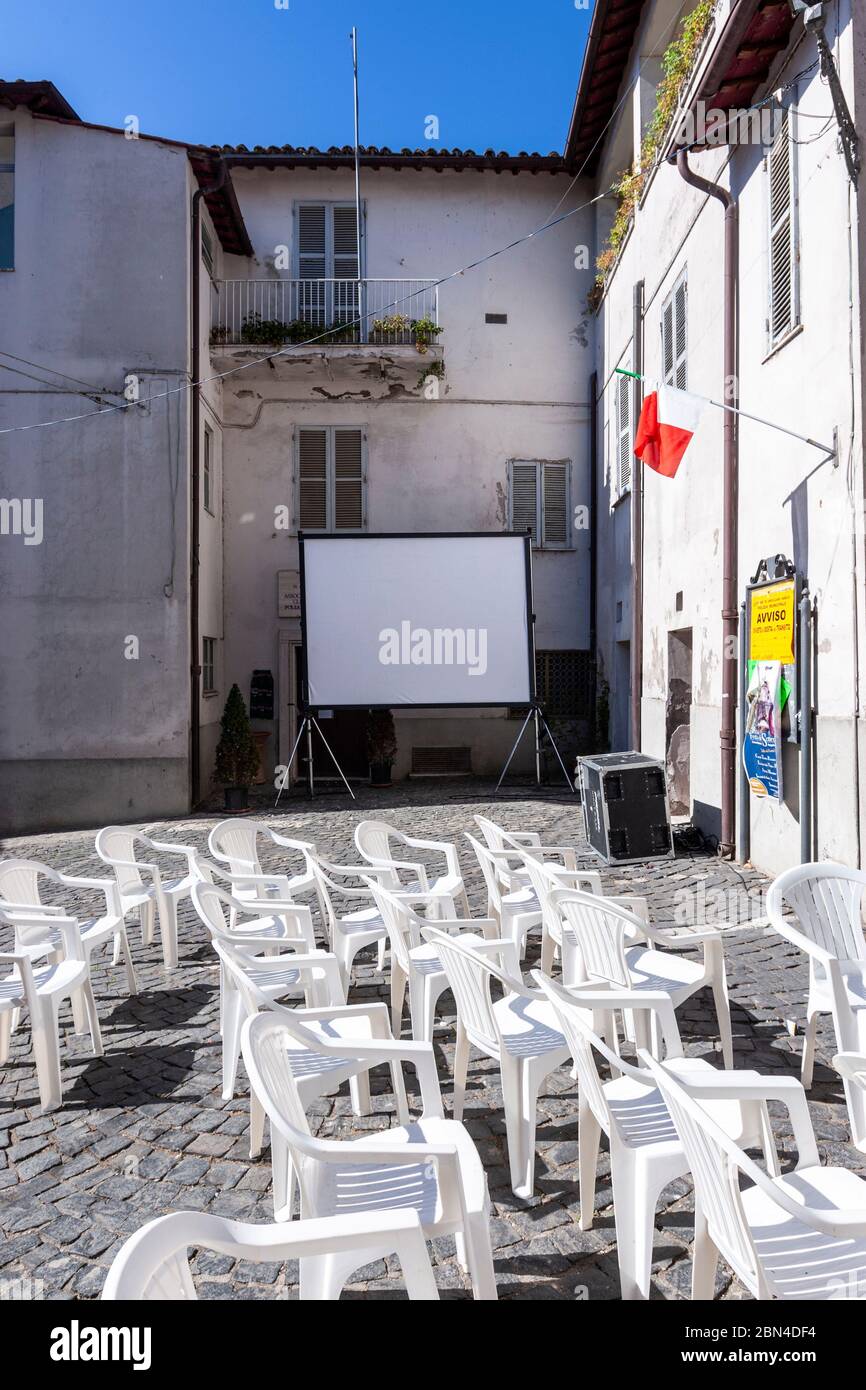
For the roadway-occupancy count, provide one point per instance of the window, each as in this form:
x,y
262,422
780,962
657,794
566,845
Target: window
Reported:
x,y
327,262
7,197
207,250
207,471
622,433
331,479
208,665
783,309
675,336
539,501
563,681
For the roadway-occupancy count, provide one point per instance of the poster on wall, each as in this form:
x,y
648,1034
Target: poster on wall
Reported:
x,y
773,619
762,742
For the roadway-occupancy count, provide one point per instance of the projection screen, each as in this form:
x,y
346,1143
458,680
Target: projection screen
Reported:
x,y
420,620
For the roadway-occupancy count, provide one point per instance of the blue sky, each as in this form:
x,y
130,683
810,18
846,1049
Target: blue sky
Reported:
x,y
498,73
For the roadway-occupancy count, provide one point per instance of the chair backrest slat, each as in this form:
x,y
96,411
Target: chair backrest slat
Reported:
x,y
599,927
19,881
116,842
469,975
827,901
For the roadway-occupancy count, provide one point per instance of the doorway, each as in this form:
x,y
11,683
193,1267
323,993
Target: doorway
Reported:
x,y
621,719
678,721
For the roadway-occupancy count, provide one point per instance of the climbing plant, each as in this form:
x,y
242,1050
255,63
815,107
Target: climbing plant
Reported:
x,y
678,61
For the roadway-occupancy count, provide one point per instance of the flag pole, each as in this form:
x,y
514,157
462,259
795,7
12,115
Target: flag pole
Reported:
x,y
361,267
829,450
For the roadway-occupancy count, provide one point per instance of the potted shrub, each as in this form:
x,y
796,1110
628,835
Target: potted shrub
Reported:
x,y
381,746
237,757
426,332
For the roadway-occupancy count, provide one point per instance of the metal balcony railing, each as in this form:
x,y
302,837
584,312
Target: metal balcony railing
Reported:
x,y
331,311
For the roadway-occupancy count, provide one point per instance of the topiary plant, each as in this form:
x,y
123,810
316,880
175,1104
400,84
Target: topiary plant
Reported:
x,y
237,758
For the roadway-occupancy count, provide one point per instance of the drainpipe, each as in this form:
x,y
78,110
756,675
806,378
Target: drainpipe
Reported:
x,y
593,546
727,732
637,528
195,484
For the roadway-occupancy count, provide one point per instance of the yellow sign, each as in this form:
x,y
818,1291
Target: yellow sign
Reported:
x,y
771,624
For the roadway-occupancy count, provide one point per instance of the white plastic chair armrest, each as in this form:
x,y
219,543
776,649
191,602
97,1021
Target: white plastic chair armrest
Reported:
x,y
418,1054
567,853
302,846
526,837
500,948
106,886
141,865
164,847
31,909
378,1014
751,1085
797,938
852,1066
419,870
372,1152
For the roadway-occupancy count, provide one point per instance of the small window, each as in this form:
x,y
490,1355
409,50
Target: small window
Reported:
x,y
539,501
623,433
330,479
563,681
783,310
7,197
207,250
208,665
207,471
675,335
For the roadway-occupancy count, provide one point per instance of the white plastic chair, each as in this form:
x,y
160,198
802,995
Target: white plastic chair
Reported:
x,y
430,1166
117,846
416,963
519,1032
827,901
290,970
348,932
510,900
20,894
801,1235
374,838
526,843
601,929
314,1038
556,935
851,1066
235,843
645,1150
271,915
153,1264
41,989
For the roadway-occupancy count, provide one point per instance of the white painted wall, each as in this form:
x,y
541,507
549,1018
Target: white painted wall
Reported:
x,y
806,385
514,391
99,290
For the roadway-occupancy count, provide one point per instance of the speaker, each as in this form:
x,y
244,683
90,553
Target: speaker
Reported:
x,y
625,808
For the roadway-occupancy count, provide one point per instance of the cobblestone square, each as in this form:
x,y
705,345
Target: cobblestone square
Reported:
x,y
144,1131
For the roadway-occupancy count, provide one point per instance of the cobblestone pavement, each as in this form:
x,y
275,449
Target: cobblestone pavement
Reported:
x,y
144,1131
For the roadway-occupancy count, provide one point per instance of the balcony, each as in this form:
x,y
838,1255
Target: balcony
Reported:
x,y
325,313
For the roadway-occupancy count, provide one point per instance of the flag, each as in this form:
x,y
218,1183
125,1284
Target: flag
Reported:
x,y
667,422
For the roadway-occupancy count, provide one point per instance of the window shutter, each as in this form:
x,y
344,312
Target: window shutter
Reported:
x,y
524,498
681,293
782,308
623,434
345,242
668,341
312,480
554,478
348,480
312,261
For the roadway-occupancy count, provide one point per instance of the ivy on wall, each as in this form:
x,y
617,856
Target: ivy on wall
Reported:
x,y
678,61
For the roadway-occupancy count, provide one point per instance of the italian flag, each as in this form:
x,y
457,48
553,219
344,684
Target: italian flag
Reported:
x,y
667,422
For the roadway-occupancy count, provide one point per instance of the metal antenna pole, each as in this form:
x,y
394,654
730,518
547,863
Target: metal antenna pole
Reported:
x,y
362,269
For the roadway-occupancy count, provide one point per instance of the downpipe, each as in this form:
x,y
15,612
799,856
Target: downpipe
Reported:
x,y
731,395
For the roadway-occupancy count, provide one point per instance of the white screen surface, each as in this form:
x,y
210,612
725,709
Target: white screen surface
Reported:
x,y
418,620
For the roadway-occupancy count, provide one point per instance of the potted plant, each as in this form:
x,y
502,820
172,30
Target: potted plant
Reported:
x,y
237,757
426,332
381,746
